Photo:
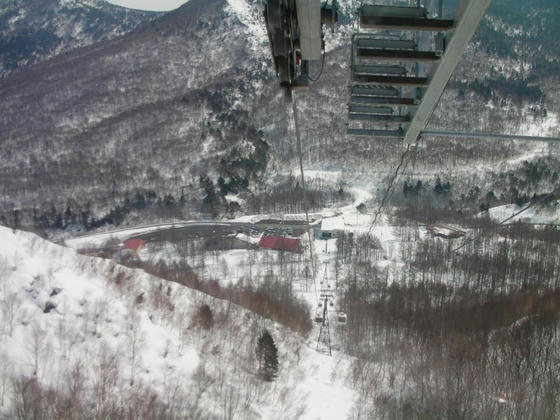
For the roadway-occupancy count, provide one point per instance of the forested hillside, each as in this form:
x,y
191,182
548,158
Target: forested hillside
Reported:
x,y
175,117
32,31
162,131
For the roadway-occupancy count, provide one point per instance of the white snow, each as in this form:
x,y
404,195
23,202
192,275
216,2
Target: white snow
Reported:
x,y
93,315
327,397
150,5
546,126
332,224
105,309
251,17
247,238
253,218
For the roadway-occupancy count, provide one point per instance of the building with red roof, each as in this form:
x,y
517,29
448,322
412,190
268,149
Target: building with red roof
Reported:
x,y
135,244
130,249
280,243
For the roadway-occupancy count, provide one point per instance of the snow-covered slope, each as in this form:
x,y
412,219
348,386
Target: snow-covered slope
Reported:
x,y
75,308
89,338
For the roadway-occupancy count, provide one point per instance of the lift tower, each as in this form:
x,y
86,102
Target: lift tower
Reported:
x,y
326,298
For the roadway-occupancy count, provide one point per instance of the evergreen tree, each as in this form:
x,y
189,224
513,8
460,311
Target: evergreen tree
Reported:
x,y
267,356
205,317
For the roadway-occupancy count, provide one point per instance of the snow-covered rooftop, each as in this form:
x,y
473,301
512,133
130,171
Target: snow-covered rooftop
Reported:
x,y
332,224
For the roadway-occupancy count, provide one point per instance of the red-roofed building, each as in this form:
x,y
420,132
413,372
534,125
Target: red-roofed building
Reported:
x,y
135,244
130,249
279,243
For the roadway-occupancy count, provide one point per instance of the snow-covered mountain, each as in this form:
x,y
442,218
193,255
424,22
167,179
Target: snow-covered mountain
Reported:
x,y
193,95
183,115
35,30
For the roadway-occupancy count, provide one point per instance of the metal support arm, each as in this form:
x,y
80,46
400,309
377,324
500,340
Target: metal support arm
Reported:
x,y
468,16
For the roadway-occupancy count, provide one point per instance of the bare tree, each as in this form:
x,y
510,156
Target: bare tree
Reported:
x,y
37,347
134,336
105,376
4,377
10,308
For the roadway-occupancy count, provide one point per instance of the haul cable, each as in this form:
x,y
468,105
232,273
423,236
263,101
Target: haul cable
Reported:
x,y
304,189
389,188
534,203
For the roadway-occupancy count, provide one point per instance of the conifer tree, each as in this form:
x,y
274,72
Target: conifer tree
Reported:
x,y
267,356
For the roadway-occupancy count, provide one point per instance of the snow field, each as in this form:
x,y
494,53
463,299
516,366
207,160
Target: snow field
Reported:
x,y
111,320
92,316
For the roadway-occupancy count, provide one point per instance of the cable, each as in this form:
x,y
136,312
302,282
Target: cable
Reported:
x,y
298,143
388,190
485,136
311,79
534,203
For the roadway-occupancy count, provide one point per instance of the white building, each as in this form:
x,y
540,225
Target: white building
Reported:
x,y
331,227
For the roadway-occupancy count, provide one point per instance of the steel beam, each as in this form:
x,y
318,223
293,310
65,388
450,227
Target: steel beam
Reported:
x,y
374,91
493,136
364,109
468,16
404,44
391,80
398,55
378,69
371,10
383,100
372,132
404,24
379,118
309,19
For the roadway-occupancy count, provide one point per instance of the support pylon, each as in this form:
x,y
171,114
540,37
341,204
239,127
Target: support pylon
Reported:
x,y
324,338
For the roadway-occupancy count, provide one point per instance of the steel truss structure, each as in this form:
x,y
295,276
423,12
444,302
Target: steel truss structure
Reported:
x,y
403,58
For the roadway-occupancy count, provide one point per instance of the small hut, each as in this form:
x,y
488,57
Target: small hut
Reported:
x,y
445,231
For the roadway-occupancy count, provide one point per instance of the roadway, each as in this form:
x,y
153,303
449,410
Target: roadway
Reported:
x,y
188,231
